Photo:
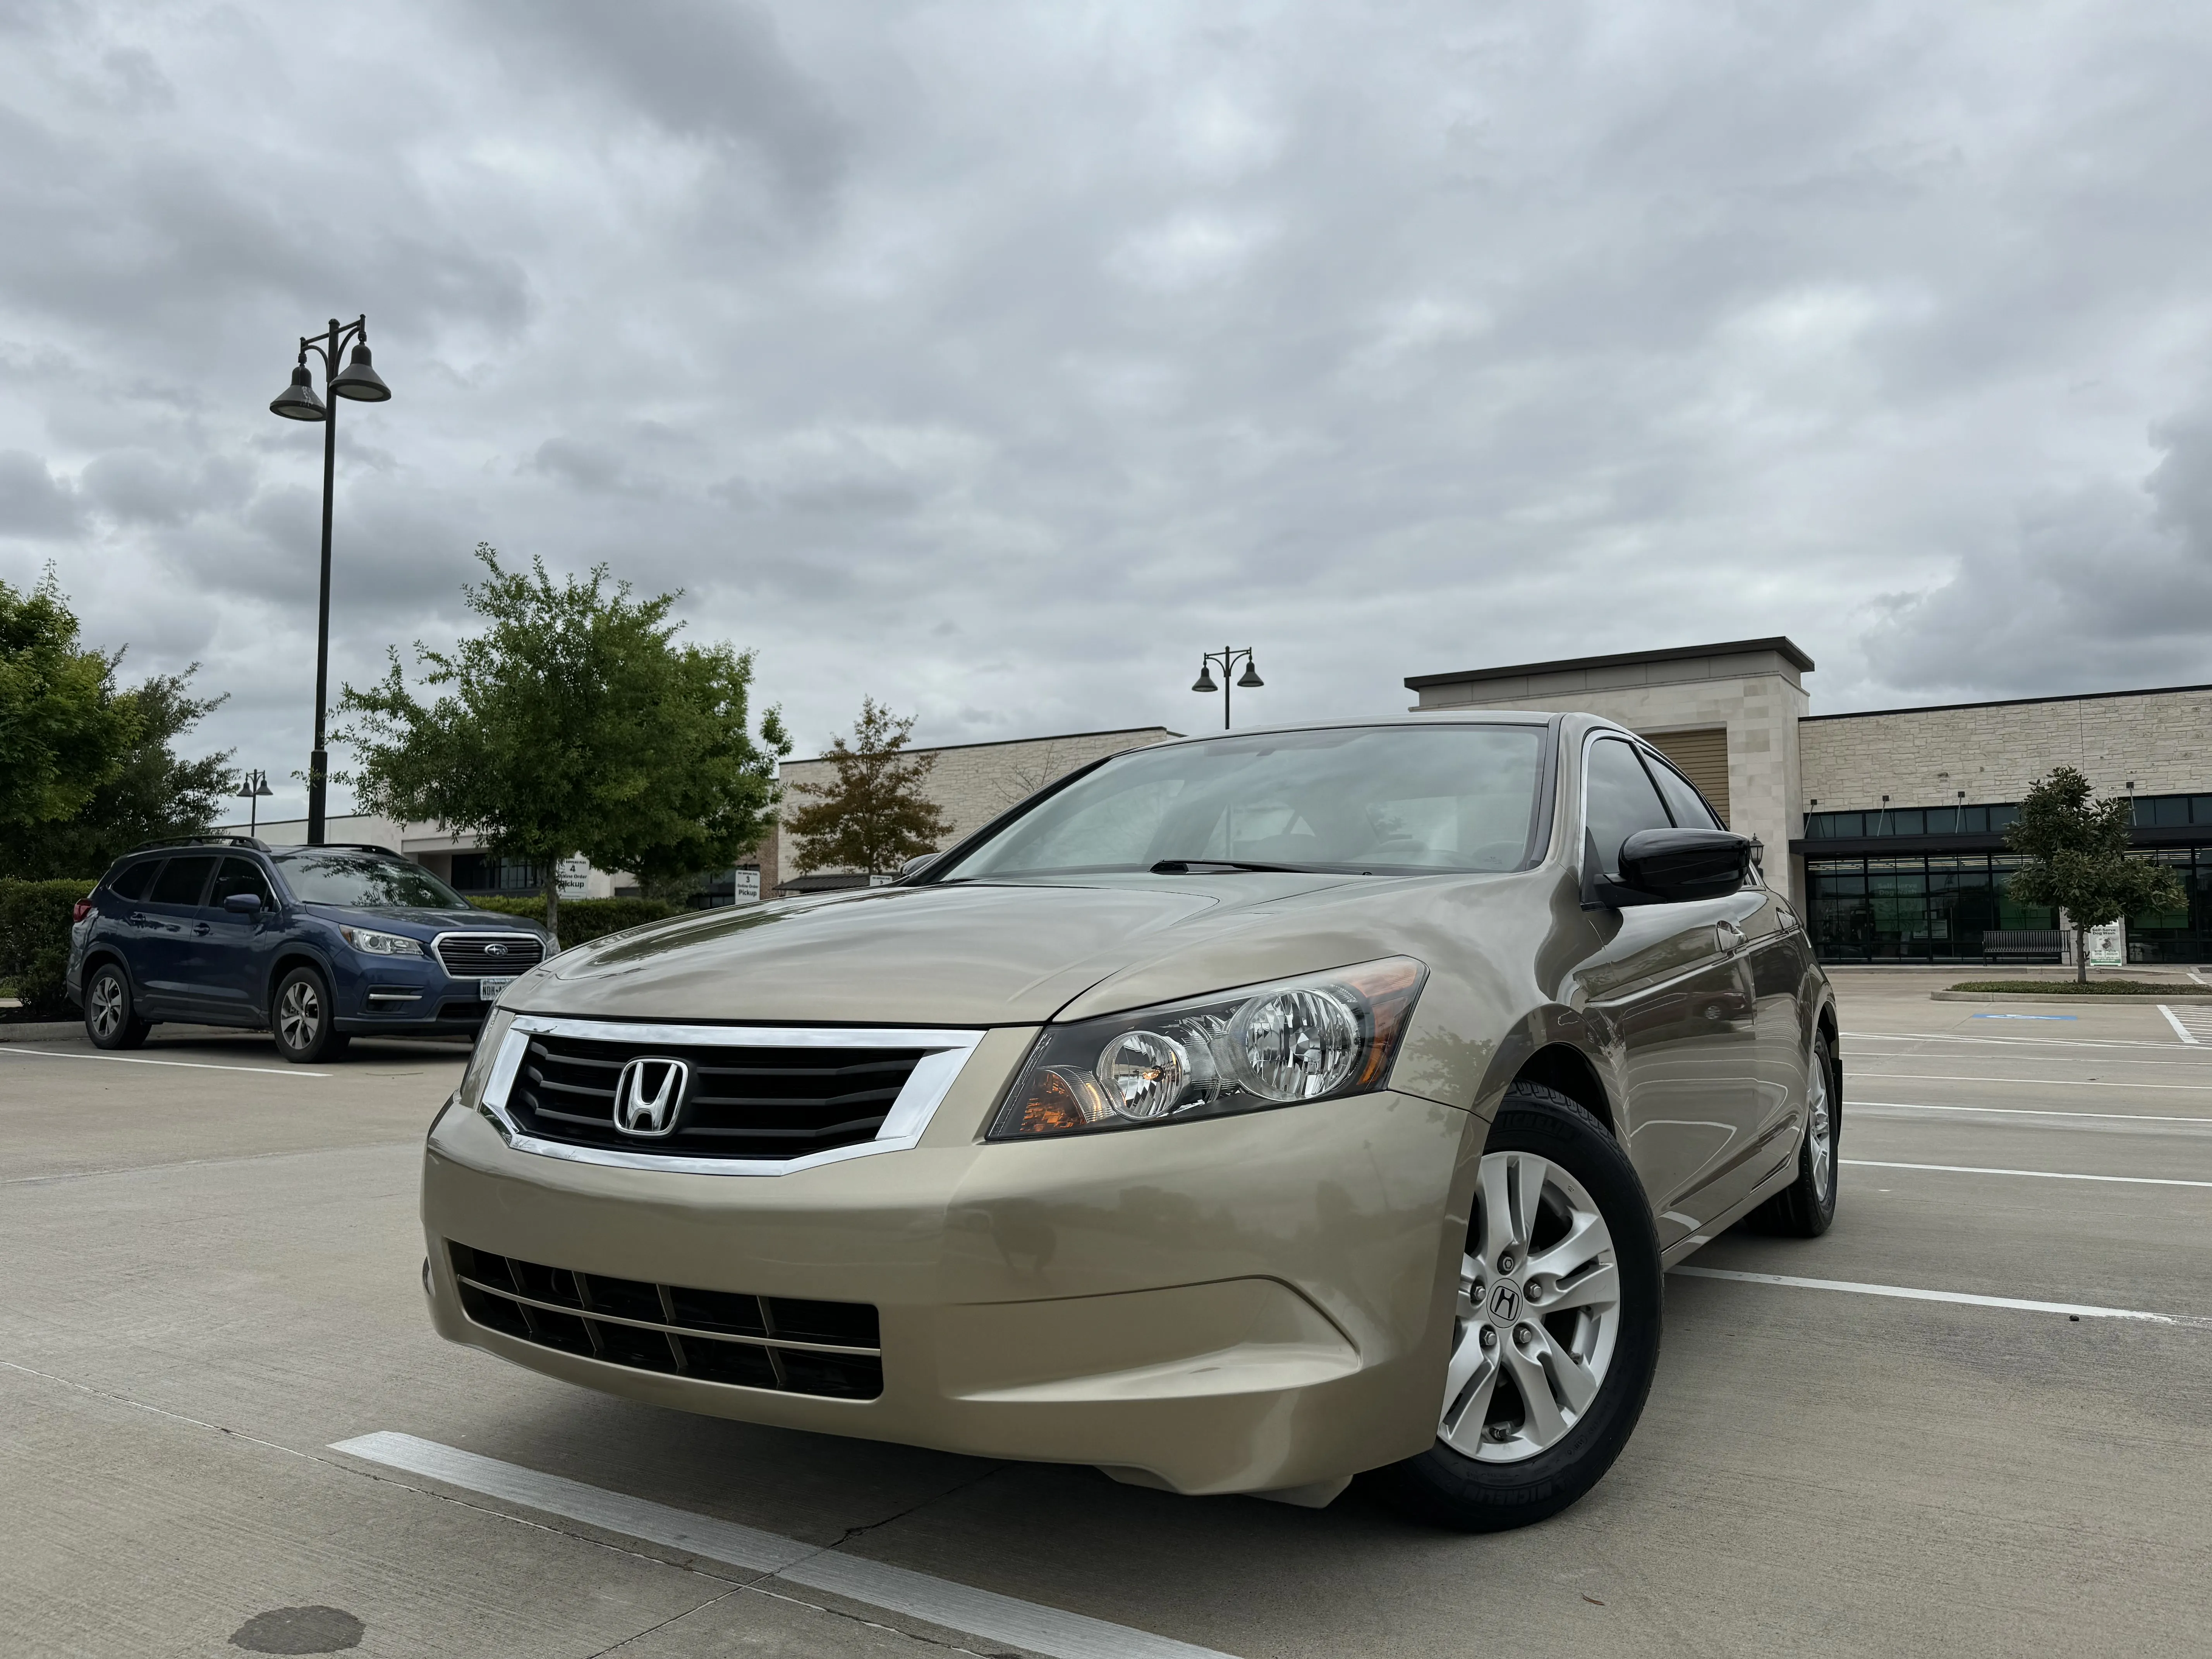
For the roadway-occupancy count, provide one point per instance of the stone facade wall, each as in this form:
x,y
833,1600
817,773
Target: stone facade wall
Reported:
x,y
972,782
1924,756
1758,697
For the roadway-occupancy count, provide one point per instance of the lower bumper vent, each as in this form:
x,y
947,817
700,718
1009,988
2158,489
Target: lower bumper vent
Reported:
x,y
828,1348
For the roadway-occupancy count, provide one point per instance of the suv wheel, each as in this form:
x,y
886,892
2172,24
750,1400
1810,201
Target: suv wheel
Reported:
x,y
1557,1328
110,1019
302,1019
1807,1206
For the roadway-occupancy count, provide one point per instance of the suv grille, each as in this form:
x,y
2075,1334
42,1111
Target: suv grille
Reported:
x,y
740,1103
478,956
827,1348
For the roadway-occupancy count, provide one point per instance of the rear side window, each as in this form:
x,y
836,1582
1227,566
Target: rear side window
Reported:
x,y
1621,800
183,880
241,876
1687,805
135,879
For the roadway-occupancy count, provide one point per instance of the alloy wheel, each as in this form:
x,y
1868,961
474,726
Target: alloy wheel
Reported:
x,y
1539,1312
107,1006
299,1014
1818,1129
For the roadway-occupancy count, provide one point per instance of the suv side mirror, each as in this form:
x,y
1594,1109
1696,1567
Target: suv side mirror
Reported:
x,y
1671,866
242,904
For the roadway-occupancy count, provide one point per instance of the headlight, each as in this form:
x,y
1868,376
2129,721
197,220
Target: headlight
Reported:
x,y
367,939
1311,1038
488,1039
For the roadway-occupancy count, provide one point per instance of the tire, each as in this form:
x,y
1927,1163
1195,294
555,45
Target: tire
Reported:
x,y
1806,1208
302,1020
1527,1461
111,1013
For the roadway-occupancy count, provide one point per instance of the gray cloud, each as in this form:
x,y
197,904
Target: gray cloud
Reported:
x,y
996,362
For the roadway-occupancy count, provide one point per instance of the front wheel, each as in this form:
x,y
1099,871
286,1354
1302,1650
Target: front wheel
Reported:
x,y
302,1021
1557,1328
111,1018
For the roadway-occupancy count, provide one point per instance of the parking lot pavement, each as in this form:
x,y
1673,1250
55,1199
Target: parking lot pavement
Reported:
x,y
212,1278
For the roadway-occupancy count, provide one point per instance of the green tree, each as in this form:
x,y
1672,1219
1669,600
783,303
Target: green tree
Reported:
x,y
152,792
875,816
2076,853
573,724
64,730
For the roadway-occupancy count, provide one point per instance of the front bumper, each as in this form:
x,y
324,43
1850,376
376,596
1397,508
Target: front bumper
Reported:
x,y
1237,1305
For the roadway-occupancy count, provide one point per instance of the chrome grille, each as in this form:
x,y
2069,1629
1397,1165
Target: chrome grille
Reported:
x,y
832,1349
740,1103
487,956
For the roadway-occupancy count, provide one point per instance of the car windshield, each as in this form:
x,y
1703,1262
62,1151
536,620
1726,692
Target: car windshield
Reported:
x,y
330,876
1386,799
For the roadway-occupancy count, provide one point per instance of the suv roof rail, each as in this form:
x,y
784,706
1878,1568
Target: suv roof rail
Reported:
x,y
348,847
202,841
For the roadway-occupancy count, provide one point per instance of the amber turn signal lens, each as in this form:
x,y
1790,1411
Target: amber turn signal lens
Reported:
x,y
1053,1105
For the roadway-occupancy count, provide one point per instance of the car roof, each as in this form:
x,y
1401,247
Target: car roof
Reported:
x,y
1426,717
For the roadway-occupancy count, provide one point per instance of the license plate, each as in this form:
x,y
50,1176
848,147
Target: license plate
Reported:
x,y
488,990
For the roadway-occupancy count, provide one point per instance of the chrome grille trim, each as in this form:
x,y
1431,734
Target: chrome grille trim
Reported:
x,y
942,1054
461,954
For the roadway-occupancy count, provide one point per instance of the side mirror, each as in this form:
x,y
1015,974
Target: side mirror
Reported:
x,y
242,904
1671,866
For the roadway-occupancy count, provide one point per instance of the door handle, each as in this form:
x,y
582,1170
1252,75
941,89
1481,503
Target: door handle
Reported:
x,y
1728,936
202,929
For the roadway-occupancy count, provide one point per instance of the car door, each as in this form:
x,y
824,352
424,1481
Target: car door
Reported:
x,y
229,960
1772,957
165,939
1668,996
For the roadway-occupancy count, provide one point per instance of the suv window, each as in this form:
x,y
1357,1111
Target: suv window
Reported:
x,y
1618,800
241,876
135,879
1683,800
183,880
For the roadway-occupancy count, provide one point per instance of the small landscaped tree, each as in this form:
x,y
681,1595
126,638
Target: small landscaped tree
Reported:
x,y
573,725
2075,853
875,816
63,726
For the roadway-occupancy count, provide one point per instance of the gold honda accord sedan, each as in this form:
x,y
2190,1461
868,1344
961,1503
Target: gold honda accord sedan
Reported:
x,y
1239,1114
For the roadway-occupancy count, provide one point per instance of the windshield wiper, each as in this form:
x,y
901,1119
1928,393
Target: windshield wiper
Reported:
x,y
1184,866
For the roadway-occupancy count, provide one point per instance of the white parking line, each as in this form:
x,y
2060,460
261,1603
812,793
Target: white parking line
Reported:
x,y
134,1059
2078,1310
2007,1042
2041,1175
2183,1028
2029,1082
939,1601
2030,1111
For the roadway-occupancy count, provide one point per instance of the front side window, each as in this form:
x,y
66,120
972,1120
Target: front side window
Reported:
x,y
1619,799
327,876
183,880
241,876
1387,801
1683,800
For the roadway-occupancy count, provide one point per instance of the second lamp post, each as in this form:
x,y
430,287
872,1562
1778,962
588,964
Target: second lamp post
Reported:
x,y
298,402
1227,656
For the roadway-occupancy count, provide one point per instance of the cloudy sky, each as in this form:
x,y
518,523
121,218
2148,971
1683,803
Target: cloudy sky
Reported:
x,y
996,359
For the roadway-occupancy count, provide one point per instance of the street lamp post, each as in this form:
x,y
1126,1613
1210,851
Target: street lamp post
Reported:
x,y
298,402
1227,657
253,785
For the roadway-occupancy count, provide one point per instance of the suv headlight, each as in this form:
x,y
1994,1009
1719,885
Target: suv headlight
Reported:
x,y
1315,1037
368,940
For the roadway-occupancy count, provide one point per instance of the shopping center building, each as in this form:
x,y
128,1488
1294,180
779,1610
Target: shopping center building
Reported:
x,y
1893,820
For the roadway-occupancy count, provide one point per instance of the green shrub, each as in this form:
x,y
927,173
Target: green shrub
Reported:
x,y
35,940
582,920
2095,987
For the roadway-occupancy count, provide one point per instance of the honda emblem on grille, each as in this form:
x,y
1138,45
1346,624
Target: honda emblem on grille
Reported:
x,y
648,1093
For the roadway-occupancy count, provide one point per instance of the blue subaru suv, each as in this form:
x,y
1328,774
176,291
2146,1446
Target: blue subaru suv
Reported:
x,y
319,945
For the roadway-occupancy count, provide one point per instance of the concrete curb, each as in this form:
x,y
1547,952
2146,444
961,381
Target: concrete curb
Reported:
x,y
2093,998
39,1031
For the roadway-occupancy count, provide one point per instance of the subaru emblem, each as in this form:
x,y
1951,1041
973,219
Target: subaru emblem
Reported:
x,y
648,1095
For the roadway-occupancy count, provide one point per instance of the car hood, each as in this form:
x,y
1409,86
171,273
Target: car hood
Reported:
x,y
958,954
430,921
